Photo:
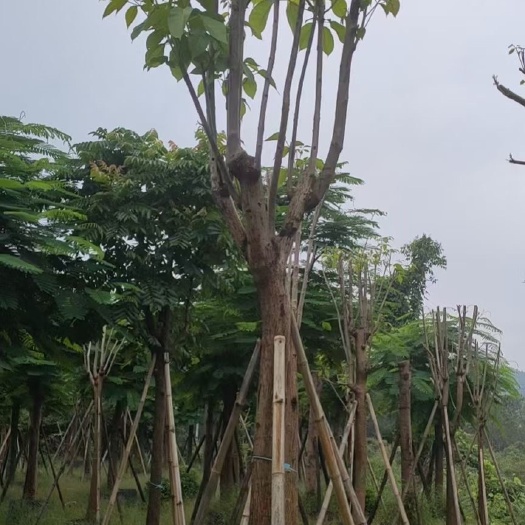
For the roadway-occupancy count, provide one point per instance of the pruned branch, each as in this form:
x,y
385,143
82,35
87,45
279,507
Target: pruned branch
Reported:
x,y
512,160
266,87
311,189
509,93
234,95
285,110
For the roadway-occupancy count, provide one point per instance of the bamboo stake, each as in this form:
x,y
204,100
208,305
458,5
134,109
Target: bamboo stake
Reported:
x,y
127,450
246,511
137,445
216,470
376,484
391,477
278,430
177,506
324,434
342,446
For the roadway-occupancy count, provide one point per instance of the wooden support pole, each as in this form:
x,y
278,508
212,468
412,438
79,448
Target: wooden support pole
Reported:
x,y
342,446
391,477
324,429
177,505
216,470
279,385
127,450
245,519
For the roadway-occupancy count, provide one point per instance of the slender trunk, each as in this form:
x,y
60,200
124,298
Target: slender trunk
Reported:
x,y
157,446
311,456
439,461
360,440
30,483
275,314
13,442
405,434
115,441
229,468
482,488
190,443
93,508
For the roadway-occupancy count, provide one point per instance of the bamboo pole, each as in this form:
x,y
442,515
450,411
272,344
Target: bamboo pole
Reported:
x,y
127,450
278,429
137,445
216,470
177,505
342,446
324,433
246,511
391,477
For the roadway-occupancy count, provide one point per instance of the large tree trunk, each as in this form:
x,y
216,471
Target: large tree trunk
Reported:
x,y
360,428
311,456
35,390
405,434
228,479
157,446
275,314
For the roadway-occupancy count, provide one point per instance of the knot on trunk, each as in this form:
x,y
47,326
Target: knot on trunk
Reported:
x,y
242,167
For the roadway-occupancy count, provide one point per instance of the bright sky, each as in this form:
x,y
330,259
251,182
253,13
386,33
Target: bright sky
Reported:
x,y
427,130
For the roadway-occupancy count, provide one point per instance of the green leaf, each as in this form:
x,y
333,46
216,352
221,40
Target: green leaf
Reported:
x,y
275,136
250,87
327,327
137,30
177,20
328,41
292,12
391,6
200,89
131,14
259,17
114,6
18,264
339,8
215,28
360,33
304,37
339,29
10,184
283,175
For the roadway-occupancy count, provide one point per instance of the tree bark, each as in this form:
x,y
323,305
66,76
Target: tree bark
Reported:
x,y
311,455
405,435
275,315
35,390
360,444
157,446
93,508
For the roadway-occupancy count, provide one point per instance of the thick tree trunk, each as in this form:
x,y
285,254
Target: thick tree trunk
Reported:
x,y
116,430
157,446
13,442
30,483
275,314
452,518
360,428
405,434
311,457
228,479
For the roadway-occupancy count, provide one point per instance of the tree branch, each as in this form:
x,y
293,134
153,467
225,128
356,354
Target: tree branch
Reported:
x,y
272,197
508,93
300,85
266,88
311,189
234,95
512,160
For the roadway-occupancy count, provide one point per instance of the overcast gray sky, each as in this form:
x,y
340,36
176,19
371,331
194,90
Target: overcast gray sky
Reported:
x,y
427,130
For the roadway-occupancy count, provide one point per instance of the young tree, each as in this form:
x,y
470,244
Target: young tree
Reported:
x,y
206,40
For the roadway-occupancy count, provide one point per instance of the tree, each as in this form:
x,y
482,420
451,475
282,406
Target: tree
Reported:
x,y
207,41
512,95
150,210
